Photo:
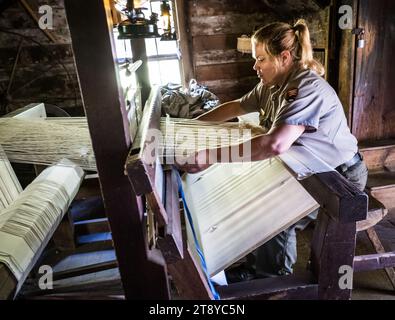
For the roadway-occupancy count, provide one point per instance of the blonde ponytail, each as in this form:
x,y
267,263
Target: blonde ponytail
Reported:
x,y
305,51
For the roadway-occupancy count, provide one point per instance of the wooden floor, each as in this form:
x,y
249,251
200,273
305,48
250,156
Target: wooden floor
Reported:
x,y
372,285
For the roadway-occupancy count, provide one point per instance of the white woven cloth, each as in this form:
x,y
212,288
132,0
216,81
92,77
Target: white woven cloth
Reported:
x,y
29,221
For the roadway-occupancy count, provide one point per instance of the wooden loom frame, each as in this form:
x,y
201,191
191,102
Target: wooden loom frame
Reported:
x,y
143,270
342,204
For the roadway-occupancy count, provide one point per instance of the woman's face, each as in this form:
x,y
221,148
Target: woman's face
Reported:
x,y
265,66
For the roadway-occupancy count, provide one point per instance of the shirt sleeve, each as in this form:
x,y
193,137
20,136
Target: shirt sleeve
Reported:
x,y
253,100
304,109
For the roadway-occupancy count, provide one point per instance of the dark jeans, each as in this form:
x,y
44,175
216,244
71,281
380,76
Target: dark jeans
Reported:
x,y
278,255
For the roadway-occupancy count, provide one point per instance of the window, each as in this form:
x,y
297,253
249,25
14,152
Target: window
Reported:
x,y
163,56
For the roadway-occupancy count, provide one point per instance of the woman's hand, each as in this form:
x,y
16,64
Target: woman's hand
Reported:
x,y
196,162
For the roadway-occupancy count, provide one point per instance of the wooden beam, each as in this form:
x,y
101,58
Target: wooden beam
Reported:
x,y
142,166
340,198
184,41
99,287
143,271
189,279
379,155
33,14
376,213
171,244
77,295
75,272
91,226
303,286
186,273
374,261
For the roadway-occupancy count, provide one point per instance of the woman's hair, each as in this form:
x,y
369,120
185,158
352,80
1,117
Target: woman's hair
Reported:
x,y
279,36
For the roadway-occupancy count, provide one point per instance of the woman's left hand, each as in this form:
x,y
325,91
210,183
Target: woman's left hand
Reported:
x,y
197,162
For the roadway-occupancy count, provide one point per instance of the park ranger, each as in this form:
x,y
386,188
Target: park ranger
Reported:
x,y
296,106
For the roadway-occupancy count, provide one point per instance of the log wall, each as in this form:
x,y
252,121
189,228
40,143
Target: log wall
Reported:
x,y
215,25
45,71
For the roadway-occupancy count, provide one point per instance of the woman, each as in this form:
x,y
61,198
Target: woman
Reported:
x,y
296,106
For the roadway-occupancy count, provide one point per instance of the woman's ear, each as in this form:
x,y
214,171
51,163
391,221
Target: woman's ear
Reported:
x,y
286,58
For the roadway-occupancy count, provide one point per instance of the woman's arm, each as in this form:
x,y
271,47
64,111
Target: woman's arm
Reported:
x,y
277,141
223,112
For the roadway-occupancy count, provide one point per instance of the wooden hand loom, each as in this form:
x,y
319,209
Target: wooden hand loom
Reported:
x,y
274,201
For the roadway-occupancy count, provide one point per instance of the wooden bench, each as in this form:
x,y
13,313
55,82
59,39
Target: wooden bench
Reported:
x,y
379,157
381,259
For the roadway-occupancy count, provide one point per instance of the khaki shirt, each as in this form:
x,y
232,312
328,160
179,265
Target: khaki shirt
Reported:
x,y
306,99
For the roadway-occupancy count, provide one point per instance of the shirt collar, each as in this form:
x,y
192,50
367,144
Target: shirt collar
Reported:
x,y
294,71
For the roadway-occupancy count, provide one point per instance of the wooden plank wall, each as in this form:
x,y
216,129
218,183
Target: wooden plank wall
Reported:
x,y
214,26
374,111
45,71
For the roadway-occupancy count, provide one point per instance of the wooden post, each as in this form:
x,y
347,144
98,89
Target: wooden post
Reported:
x,y
333,246
184,43
186,272
143,271
140,53
343,45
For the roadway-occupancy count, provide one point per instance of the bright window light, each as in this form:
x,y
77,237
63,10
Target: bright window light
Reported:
x,y
164,72
163,56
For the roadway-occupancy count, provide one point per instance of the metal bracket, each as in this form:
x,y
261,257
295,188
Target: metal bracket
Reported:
x,y
358,31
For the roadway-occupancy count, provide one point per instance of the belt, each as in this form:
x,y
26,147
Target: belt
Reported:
x,y
346,165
